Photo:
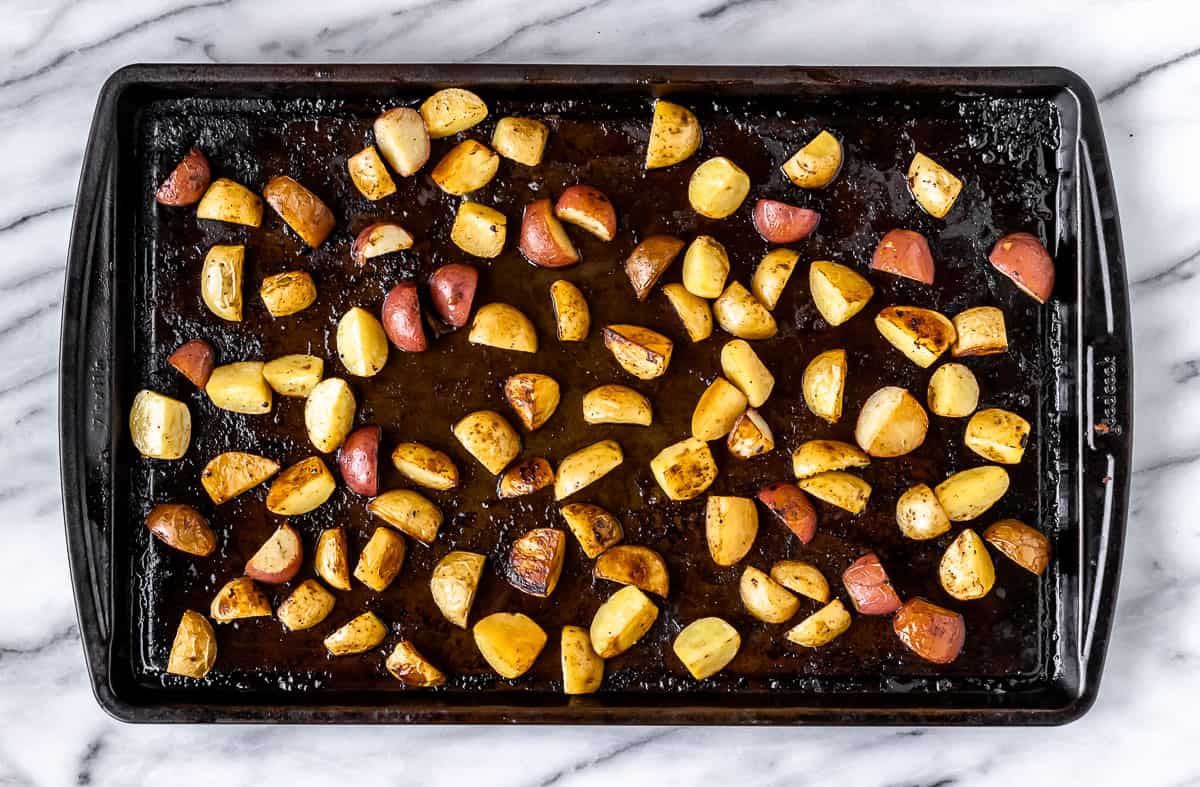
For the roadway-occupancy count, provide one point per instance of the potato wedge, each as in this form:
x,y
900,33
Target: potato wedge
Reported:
x,y
381,559
953,391
1021,544
933,186
358,460
240,388
730,527
182,527
1023,259
452,290
692,311
370,177
279,558
522,140
451,110
402,322
921,334
303,211
288,293
408,666
194,649
294,375
221,278
403,140
685,469
229,474
161,427
308,605
791,507
358,636
331,558
674,135
824,383
329,413
772,274
998,435
594,528
586,466
589,209
489,438
583,670
816,164
616,404
766,599
706,646
979,331
572,318
821,627
239,599
301,488
750,436
920,515
479,230
717,188
738,312
649,260
409,512
640,351
779,222
509,642
891,423
453,585
705,267
621,621
362,344
425,466
819,456
231,202
503,327
525,478
904,253
934,633
968,494
467,167
533,397
966,571
742,366
869,587
838,292
378,239
187,182
847,492
803,578
194,360
718,408
634,565
535,561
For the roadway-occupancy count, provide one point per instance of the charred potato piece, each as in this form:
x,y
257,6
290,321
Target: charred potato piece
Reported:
x,y
621,621
589,209
791,507
674,135
362,344
358,460
1023,259
803,578
816,164
221,279
738,312
684,470
238,599
718,408
869,587
933,186
279,558
452,110
824,383
425,466
408,666
594,528
1021,544
705,267
953,391
294,375
308,605
693,312
649,260
772,274
535,561
583,670
194,360
921,334
452,290
381,559
891,423
966,571
370,177
525,478
454,583
821,627
586,466
409,512
331,558
503,327
302,210
402,318
229,474
403,140
358,636
161,427
742,366
509,642
522,140
750,436
766,599
533,397
779,222
240,388
634,565
838,292
819,456
467,167
329,415
640,351
182,527
847,492
187,182
489,438
934,633
970,493
230,202
479,230
194,649
998,435
717,188
706,646
979,331
730,527
920,515
616,404
904,253
301,488
571,315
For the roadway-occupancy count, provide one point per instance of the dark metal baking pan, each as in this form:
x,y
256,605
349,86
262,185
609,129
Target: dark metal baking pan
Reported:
x,y
1030,146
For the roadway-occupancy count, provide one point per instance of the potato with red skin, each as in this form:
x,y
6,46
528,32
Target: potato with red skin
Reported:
x,y
904,253
544,241
792,507
779,222
187,182
195,361
303,211
182,527
452,289
279,558
358,460
1022,258
375,240
588,208
869,586
402,318
648,261
934,633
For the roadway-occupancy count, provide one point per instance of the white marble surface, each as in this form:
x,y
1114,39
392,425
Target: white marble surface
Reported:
x,y
1143,58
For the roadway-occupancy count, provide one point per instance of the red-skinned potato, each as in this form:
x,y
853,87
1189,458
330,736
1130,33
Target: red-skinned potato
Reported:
x,y
904,253
544,241
869,586
402,318
648,261
375,240
779,222
934,633
1022,258
791,507
182,527
194,360
279,558
452,290
303,211
358,460
588,208
187,182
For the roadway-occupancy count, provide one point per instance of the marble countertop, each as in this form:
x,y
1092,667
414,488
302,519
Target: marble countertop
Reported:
x,y
1142,59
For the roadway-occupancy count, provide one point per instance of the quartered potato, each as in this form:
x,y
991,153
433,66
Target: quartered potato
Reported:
x,y
847,492
816,164
535,561
738,312
378,239
279,558
730,527
588,208
238,599
717,188
750,436
294,375
819,456
408,666
229,474
772,274
161,427
921,334
705,267
586,466
640,351
504,327
934,633
425,466
489,438
221,278
358,636
303,211
467,167
288,293
821,627
362,344
409,512
706,646
331,558
308,605
968,494
621,621
572,318
953,391
803,578
823,384
718,408
525,478
583,670
1021,544
966,571
381,559
402,323
231,202
979,331
869,586
329,413
1023,258
452,290
838,292
194,649
533,397
301,488
791,507
509,642
403,140
920,515
684,470
452,110
766,599
479,230
240,388
187,182
522,140
904,253
933,186
634,565
780,222
370,177
616,404
543,240
742,366
454,583
182,527
358,460
998,435
692,311
891,423
594,528
674,135
649,260
194,360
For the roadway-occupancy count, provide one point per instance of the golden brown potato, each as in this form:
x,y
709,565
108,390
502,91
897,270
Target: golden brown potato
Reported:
x,y
522,140
772,274
766,599
479,230
409,512
331,558
821,627
706,646
408,666
1021,544
719,406
525,478
452,110
674,135
933,186
308,605
816,164
187,182
730,527
301,488
738,312
968,494
240,388
535,561
231,202
221,278
640,351
966,571
504,327
717,188
362,344
329,413
824,383
921,334
920,515
803,578
425,466
616,404
454,583
370,177
953,391
358,636
489,438
998,435
182,527
509,642
745,369
381,559
621,621
288,293
403,140
705,267
303,211
838,292
161,427
467,167
934,633
229,474
979,331
594,528
819,456
684,470
692,311
649,260
750,436
294,375
583,670
571,314
848,492
279,558
194,649
634,565
533,397
586,466
237,599
891,423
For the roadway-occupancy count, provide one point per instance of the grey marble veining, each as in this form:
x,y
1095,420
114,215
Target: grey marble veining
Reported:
x,y
1142,58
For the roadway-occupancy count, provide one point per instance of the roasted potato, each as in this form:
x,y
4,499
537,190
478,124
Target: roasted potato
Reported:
x,y
692,311
717,188
370,177
409,512
161,427
583,670
381,559
634,565
425,466
824,383
378,239
791,507
772,274
621,621
816,164
233,203
362,344
750,436
586,466
933,186
998,435
738,312
194,360
803,578
979,331
968,494
229,474
467,167
649,260
920,515
303,211
522,140
240,388
182,527
718,408
533,397
904,253
779,222
869,587
706,646
847,492
358,636
819,456
1023,259
594,528
1021,544
331,558
525,478
452,110
966,571
838,292
589,209
238,599
187,182
730,527
504,327
221,279
408,666
640,351
489,438
821,627
572,318
544,241
742,366
684,470
535,561
479,230
358,460
308,605
674,135
194,649
279,558
953,391
705,267
402,318
403,140
329,414
616,404
509,642
891,423
934,633
301,488
766,599
294,375
452,290
454,583
921,334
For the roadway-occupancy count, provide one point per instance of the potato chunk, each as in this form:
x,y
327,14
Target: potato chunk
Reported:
x,y
425,466
815,165
998,435
970,493
823,384
303,211
231,202
649,260
953,391
489,438
674,135
308,605
847,492
451,110
408,666
583,670
370,177
301,488
684,470
640,351
621,621
586,466
533,397
409,512
358,636
381,559
966,571
467,167
742,366
934,633
229,474
288,293
705,267
454,583
594,528
294,375
403,140
329,413
772,274
821,627
479,230
933,186
803,578
572,318
525,477
819,456
362,344
616,404
891,423
706,646
921,334
503,327
730,527
509,642
838,292
240,388
692,311
766,599
920,515
1021,544
717,188
161,427
239,599
522,140
221,278
182,527
331,559
738,312
979,331
194,649
634,565
718,408
869,586
535,561
750,436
